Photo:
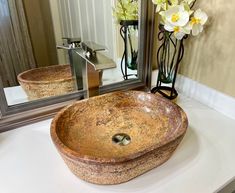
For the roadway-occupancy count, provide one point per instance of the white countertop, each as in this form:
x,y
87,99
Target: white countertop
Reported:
x,y
203,163
15,95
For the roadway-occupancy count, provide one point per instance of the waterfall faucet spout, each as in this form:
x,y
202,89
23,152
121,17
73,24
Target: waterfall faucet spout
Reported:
x,y
88,64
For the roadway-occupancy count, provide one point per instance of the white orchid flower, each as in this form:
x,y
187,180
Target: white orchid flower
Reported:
x,y
188,1
197,21
126,10
164,4
176,16
161,4
179,31
187,7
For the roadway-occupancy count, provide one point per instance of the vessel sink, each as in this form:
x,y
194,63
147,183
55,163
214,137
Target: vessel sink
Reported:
x,y
113,138
47,81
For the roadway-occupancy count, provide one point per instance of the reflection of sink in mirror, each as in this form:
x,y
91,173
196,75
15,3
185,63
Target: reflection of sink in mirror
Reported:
x,y
129,133
47,81
44,25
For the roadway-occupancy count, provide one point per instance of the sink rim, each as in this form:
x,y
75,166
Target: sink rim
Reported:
x,y
23,80
75,155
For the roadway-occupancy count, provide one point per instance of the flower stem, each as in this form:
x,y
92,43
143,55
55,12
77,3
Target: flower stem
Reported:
x,y
193,4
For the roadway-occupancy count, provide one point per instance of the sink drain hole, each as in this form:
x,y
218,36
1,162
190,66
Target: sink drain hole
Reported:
x,y
121,139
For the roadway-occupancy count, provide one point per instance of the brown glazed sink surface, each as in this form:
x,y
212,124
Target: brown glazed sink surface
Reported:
x,y
115,137
47,81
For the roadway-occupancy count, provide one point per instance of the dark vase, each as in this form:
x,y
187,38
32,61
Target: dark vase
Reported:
x,y
130,54
169,56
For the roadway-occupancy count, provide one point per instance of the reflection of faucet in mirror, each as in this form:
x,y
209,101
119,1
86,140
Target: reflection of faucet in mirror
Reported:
x,y
67,24
87,64
35,28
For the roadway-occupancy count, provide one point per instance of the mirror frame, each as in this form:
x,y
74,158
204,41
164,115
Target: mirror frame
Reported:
x,y
19,115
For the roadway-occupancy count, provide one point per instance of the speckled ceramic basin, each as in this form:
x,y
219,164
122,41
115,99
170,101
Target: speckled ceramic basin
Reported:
x,y
115,137
47,81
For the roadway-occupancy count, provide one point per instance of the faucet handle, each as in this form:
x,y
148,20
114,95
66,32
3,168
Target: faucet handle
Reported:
x,y
91,48
72,40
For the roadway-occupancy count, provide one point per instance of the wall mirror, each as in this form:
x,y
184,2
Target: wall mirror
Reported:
x,y
53,52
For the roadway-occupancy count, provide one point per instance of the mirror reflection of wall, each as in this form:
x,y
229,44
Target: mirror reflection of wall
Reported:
x,y
32,30
93,21
29,66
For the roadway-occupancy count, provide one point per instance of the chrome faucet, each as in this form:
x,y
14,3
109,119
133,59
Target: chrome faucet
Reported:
x,y
87,65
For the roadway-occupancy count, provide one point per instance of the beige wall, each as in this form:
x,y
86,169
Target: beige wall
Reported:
x,y
210,57
57,30
39,19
